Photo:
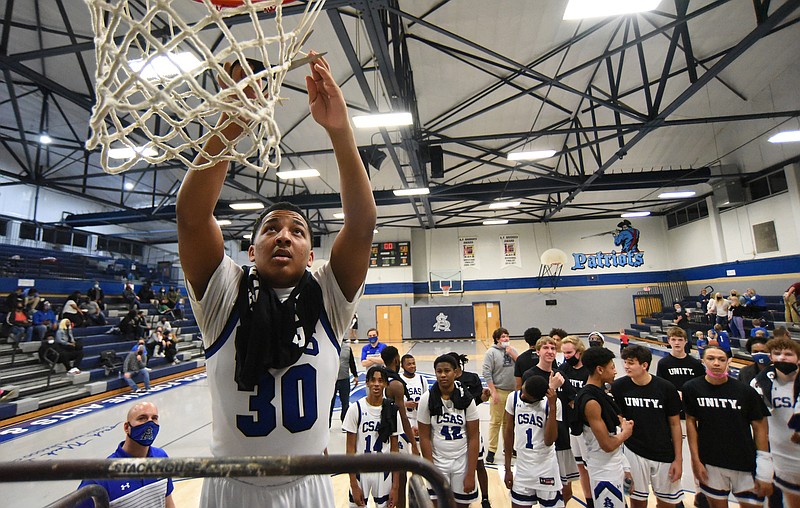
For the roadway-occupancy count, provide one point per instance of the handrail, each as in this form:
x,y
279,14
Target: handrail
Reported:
x,y
200,467
96,492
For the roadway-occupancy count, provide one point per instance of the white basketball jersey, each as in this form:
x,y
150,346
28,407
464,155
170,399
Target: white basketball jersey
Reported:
x,y
416,385
448,430
286,412
363,419
537,464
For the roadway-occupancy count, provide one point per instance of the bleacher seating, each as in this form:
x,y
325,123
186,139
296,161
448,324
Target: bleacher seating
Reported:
x,y
654,327
41,386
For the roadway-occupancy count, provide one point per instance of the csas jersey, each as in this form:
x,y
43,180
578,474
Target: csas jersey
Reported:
x,y
363,419
416,386
286,413
537,464
448,430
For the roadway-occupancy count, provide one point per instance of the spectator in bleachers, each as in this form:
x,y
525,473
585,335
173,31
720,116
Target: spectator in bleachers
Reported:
x,y
142,328
757,327
94,316
13,297
130,297
178,309
49,342
790,303
31,299
757,347
173,295
170,350
736,296
134,365
69,348
20,323
165,325
681,317
72,310
736,317
156,338
127,325
44,320
146,294
718,309
754,303
96,294
164,309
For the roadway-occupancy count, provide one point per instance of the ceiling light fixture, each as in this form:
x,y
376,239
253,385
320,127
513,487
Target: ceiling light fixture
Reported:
x,y
631,215
495,222
338,215
676,194
129,186
530,155
248,236
223,222
500,205
251,205
45,139
785,137
164,66
581,9
412,192
382,120
297,173
129,152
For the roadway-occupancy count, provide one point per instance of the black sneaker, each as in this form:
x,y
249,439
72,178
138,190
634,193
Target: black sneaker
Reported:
x,y
490,458
486,504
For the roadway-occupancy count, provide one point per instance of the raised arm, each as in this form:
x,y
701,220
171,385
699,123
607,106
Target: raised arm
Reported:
x,y
200,242
351,248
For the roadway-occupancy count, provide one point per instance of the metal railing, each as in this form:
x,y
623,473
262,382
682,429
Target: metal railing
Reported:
x,y
202,467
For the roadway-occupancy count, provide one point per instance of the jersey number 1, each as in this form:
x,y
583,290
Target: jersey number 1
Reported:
x,y
298,388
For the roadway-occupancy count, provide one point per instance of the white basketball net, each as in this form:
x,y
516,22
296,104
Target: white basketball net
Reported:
x,y
134,96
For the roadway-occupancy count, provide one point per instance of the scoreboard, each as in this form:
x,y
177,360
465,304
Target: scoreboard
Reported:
x,y
385,254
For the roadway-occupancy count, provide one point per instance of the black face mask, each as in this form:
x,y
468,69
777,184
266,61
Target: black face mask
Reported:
x,y
595,343
785,367
572,360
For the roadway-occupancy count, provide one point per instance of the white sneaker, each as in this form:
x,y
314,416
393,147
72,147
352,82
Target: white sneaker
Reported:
x,y
74,370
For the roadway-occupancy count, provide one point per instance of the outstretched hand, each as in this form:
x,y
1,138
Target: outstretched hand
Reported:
x,y
325,99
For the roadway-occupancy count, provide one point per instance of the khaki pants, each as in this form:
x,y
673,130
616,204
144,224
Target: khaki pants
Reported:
x,y
497,413
791,313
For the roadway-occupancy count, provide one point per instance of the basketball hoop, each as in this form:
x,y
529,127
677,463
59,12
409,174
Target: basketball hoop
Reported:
x,y
152,64
445,290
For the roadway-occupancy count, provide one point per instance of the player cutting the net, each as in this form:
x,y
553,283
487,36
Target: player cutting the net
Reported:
x,y
272,331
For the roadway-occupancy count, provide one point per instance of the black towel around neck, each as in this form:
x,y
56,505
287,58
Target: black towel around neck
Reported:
x,y
267,337
461,400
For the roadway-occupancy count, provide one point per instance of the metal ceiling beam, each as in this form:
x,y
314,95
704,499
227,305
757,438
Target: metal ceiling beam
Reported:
x,y
482,192
749,40
398,82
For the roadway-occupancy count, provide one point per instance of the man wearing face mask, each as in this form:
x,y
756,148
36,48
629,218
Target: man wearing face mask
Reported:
x,y
757,347
736,460
141,428
371,353
779,386
498,371
596,339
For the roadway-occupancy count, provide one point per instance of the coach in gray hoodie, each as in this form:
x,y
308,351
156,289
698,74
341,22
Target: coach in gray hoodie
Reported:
x,y
498,371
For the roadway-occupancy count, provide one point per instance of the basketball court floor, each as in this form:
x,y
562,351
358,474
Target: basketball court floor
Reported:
x,y
93,430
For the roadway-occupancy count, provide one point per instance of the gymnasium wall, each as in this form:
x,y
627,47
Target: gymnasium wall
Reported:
x,y
586,299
